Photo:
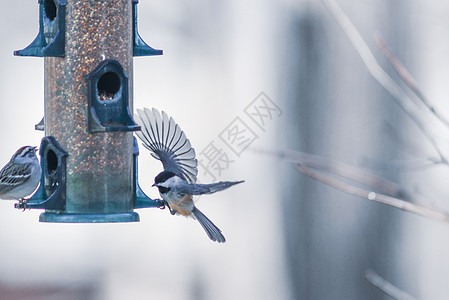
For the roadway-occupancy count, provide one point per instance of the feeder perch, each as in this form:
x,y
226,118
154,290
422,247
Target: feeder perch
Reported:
x,y
141,200
40,126
140,48
108,98
51,37
88,155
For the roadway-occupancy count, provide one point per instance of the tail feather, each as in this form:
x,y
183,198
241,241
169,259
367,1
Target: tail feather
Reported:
x,y
212,231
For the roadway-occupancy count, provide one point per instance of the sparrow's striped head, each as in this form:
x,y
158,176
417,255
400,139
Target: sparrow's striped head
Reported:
x,y
24,153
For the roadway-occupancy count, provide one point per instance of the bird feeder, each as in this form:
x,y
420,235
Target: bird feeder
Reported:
x,y
88,154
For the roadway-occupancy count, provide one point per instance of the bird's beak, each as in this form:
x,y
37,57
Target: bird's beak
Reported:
x,y
154,184
35,149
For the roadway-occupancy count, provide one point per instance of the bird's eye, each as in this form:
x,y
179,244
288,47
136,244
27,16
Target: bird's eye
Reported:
x,y
163,190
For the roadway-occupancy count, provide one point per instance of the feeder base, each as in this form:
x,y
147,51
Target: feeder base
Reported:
x,y
49,217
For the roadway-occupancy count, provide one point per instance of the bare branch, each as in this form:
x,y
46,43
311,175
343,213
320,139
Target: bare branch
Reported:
x,y
339,169
410,147
408,79
400,164
386,287
378,189
371,195
398,94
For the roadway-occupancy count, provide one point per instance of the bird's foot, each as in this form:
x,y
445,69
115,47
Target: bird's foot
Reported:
x,y
172,211
162,204
23,204
165,204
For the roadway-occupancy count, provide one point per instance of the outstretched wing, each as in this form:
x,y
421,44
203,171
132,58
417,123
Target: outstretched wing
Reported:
x,y
13,175
200,189
167,143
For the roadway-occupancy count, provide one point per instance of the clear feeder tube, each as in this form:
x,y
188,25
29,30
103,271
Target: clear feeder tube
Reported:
x,y
100,164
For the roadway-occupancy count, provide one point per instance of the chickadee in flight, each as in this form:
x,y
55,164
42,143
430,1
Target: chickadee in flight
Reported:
x,y
177,183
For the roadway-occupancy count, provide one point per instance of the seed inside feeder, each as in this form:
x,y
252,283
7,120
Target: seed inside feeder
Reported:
x,y
108,85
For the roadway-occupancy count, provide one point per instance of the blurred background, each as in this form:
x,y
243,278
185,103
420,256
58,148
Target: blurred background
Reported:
x,y
288,237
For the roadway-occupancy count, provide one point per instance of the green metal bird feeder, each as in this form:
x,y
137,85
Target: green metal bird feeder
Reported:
x,y
88,154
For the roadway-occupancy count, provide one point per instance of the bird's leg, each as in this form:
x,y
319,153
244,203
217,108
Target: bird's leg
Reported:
x,y
172,211
23,203
162,204
165,204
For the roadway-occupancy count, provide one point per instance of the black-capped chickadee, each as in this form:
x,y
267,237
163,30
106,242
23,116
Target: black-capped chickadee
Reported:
x,y
177,183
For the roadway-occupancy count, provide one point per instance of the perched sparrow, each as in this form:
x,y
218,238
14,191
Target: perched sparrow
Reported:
x,y
21,175
168,143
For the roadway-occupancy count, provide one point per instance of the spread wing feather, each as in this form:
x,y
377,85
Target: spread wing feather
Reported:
x,y
167,143
200,189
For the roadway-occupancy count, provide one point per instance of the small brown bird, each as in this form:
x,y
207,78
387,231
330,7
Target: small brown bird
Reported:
x,y
21,175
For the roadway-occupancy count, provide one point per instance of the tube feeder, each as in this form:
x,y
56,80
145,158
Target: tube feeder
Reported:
x,y
89,154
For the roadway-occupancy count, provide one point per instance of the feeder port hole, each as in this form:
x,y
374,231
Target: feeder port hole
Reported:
x,y
50,9
52,162
108,85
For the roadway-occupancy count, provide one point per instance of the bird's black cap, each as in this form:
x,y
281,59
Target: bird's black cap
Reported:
x,y
163,176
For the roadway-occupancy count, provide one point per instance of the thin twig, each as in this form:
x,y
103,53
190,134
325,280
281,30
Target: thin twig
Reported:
x,y
371,195
409,146
408,79
379,190
339,169
400,164
374,68
386,287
